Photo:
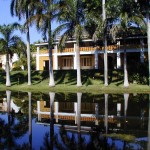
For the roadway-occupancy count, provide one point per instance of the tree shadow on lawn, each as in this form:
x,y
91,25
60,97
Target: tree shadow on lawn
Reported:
x,y
117,82
65,77
18,78
59,77
3,78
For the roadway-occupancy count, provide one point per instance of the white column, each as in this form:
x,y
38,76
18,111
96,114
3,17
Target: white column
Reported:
x,y
38,111
118,56
142,51
75,58
75,111
96,59
118,109
118,60
56,58
37,58
96,113
56,110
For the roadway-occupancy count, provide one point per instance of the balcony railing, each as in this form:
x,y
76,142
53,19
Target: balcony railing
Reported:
x,y
87,48
66,50
101,48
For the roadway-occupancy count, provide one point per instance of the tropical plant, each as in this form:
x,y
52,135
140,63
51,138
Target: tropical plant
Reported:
x,y
143,7
100,23
8,45
26,8
43,17
126,23
71,17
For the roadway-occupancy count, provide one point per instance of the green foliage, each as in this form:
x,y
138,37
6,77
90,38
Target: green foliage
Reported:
x,y
88,82
139,74
17,65
124,137
32,48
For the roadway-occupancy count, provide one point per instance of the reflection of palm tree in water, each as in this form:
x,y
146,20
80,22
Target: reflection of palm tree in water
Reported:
x,y
52,96
49,137
12,130
70,142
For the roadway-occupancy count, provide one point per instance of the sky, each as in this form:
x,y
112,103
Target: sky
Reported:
x,y
6,18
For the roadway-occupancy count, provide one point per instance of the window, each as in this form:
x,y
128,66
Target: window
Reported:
x,y
86,61
67,62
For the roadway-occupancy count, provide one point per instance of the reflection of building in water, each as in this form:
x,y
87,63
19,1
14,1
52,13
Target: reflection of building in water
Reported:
x,y
4,106
67,111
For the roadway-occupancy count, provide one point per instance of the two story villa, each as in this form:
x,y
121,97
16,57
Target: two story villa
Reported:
x,y
91,54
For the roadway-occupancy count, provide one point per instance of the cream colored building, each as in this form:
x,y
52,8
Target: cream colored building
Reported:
x,y
3,61
91,57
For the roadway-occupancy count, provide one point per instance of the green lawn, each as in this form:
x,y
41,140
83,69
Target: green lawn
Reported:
x,y
92,81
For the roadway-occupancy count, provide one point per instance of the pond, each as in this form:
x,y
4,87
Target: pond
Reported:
x,y
70,121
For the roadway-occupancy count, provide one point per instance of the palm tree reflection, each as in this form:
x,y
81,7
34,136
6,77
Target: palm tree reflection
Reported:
x,y
52,97
30,121
49,137
148,145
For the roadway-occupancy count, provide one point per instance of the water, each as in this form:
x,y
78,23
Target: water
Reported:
x,y
70,121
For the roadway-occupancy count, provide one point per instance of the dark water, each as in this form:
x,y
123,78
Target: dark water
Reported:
x,y
70,121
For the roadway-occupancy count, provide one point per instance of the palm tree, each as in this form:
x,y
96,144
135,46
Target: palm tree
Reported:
x,y
144,9
43,18
8,44
22,8
71,17
99,24
105,45
124,27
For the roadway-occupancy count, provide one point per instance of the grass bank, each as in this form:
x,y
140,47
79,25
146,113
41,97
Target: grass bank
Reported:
x,y
65,81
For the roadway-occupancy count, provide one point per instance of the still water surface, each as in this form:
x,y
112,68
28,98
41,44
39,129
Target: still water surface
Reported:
x,y
70,121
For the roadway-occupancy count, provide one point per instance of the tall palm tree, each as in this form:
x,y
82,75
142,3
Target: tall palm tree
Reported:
x,y
71,17
144,9
105,45
97,20
123,28
22,8
43,18
8,44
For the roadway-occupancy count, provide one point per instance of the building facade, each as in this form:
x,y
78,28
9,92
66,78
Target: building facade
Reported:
x,y
91,55
11,61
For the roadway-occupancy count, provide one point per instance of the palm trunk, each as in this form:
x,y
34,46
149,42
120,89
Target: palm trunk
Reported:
x,y
79,96
105,47
8,94
30,121
126,83
106,113
126,97
28,51
51,74
148,41
8,83
105,62
148,143
52,97
79,83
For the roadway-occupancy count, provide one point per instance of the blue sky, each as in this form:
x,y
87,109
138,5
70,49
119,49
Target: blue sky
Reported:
x,y
6,18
